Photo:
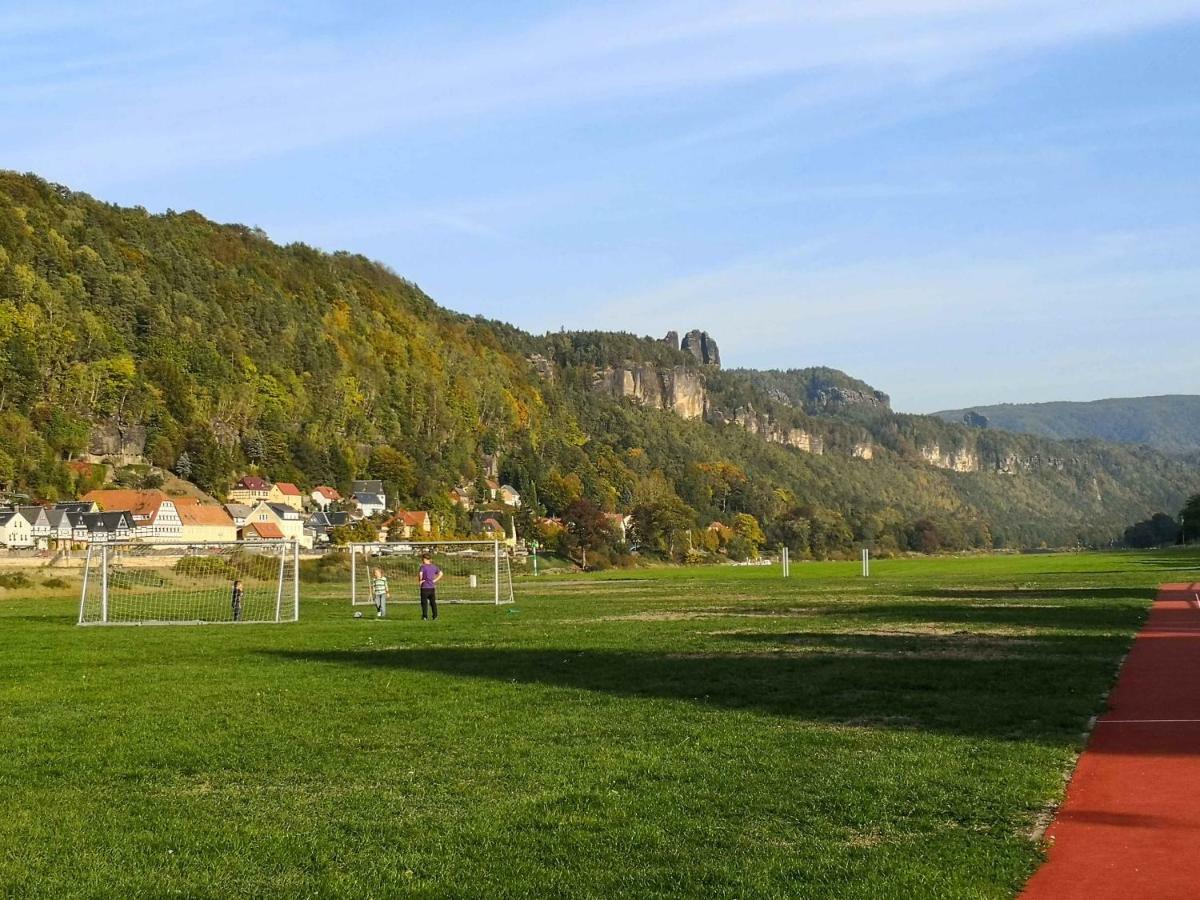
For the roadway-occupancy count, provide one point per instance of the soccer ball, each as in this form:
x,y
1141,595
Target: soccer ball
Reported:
x,y
358,615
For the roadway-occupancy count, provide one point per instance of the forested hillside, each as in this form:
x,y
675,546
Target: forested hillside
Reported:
x,y
1170,423
211,351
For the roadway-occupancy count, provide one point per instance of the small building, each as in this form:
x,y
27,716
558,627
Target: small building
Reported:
x,y
287,493
462,496
407,525
619,524
61,527
250,489
370,504
109,526
509,496
238,512
154,513
39,525
289,521
323,496
260,531
15,530
203,522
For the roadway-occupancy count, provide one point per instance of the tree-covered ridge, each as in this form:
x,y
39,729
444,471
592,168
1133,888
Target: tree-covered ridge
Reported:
x,y
1169,423
224,353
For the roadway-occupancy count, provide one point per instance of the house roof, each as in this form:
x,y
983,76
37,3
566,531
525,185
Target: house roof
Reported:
x,y
56,517
283,510
237,510
140,503
7,515
368,486
265,530
107,522
327,492
415,519
253,483
368,497
75,505
492,523
31,513
337,518
203,514
318,519
287,488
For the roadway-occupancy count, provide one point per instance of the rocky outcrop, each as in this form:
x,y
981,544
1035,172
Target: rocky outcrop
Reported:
x,y
768,429
677,389
828,398
125,444
671,339
543,366
973,419
959,459
702,347
862,451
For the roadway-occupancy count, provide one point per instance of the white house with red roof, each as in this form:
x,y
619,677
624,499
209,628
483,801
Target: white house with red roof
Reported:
x,y
323,495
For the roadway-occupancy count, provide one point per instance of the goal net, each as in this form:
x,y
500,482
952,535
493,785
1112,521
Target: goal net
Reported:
x,y
472,571
153,583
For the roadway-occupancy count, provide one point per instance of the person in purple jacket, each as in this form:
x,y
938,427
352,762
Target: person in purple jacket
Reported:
x,y
429,575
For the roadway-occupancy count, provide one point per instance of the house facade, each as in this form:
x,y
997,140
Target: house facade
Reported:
x,y
286,493
250,489
323,496
407,525
15,530
290,522
155,515
203,522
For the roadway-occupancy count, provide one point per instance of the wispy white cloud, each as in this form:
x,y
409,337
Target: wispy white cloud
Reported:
x,y
225,99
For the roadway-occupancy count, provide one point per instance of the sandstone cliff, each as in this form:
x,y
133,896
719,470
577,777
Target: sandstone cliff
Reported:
x,y
675,389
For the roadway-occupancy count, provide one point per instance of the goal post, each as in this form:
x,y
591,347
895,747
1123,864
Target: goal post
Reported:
x,y
472,571
178,582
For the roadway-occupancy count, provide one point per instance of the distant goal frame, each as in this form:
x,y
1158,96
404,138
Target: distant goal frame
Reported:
x,y
362,552
279,603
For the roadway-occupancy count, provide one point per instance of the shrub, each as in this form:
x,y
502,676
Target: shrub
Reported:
x,y
14,580
55,582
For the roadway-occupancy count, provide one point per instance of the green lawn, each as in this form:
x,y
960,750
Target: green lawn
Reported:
x,y
714,732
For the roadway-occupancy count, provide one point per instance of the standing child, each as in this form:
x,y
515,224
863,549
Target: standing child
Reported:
x,y
381,592
239,593
429,576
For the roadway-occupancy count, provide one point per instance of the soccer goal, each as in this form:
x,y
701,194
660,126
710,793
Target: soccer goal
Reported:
x,y
473,571
159,583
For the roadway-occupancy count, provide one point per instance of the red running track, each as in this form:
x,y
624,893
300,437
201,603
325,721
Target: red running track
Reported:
x,y
1130,824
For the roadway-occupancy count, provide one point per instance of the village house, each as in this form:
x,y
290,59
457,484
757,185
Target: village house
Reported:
x,y
61,530
368,495
239,512
108,526
260,531
287,493
204,522
39,525
155,515
322,496
250,489
509,496
15,530
406,525
618,524
461,496
289,521
317,527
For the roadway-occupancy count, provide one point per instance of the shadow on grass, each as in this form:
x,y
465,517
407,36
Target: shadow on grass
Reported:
x,y
1015,593
1072,617
1043,697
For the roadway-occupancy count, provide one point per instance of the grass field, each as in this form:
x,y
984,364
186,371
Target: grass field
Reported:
x,y
715,732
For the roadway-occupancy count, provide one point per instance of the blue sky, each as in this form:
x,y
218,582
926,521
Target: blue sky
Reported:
x,y
960,201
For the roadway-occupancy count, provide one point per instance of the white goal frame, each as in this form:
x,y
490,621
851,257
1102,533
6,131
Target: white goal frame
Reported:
x,y
103,561
361,553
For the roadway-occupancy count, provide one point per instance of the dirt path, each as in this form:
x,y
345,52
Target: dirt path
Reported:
x,y
1130,825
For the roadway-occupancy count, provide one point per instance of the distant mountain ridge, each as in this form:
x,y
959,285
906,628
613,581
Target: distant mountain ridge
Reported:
x,y
1170,423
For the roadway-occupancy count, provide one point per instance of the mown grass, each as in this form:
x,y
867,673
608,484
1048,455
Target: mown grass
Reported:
x,y
669,732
